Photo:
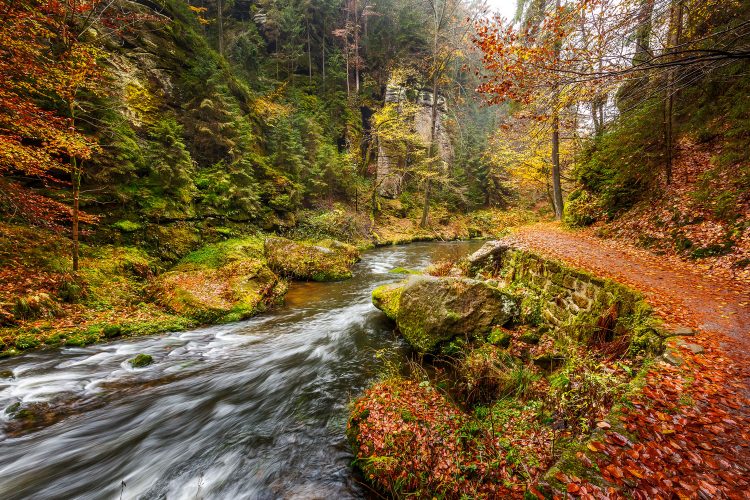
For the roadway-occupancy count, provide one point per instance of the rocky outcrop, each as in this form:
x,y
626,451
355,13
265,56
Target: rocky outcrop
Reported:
x,y
429,310
327,260
391,165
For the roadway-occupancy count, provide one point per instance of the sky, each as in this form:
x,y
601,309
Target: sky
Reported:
x,y
506,8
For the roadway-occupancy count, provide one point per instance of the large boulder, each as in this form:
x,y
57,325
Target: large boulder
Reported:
x,y
236,290
328,260
429,310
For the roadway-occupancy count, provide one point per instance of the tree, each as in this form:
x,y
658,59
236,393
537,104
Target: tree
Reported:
x,y
523,64
448,27
34,139
49,72
47,62
674,38
394,133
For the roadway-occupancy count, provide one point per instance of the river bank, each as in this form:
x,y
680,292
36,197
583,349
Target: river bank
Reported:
x,y
136,287
592,390
251,409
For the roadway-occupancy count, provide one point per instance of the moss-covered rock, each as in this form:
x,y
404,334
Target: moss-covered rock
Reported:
x,y
327,260
499,337
227,281
431,310
235,291
387,298
403,270
141,360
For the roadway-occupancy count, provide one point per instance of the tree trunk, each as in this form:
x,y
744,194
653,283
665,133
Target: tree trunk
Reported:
x,y
346,53
675,34
643,33
220,22
595,118
356,51
426,206
550,198
76,198
434,150
374,199
75,177
556,187
309,54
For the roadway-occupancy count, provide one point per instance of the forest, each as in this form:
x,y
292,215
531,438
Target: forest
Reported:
x,y
512,236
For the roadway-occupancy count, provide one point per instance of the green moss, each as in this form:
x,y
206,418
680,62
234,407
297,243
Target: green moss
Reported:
x,y
115,276
77,340
141,360
127,226
403,270
499,337
24,342
531,337
218,254
110,331
387,299
326,260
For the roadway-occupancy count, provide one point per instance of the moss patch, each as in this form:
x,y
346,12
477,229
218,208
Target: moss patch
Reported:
x,y
227,281
326,260
141,360
387,298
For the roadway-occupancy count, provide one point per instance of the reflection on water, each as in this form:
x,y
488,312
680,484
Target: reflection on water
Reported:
x,y
255,409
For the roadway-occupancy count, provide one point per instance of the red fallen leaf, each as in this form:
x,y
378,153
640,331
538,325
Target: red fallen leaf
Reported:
x,y
619,439
615,471
536,492
595,446
562,477
634,472
584,459
573,488
696,459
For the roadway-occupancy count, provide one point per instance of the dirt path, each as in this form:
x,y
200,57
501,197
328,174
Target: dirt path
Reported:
x,y
683,293
693,425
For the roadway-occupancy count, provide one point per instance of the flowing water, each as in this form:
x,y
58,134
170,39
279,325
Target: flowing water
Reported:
x,y
255,409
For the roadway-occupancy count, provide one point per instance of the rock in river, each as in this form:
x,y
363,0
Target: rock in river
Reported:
x,y
328,260
431,310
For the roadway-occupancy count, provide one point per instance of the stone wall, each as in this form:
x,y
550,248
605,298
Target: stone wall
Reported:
x,y
559,295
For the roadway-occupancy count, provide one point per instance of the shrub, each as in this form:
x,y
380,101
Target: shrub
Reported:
x,y
582,209
622,164
440,268
488,373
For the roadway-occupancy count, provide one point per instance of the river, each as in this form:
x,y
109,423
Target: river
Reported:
x,y
255,409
